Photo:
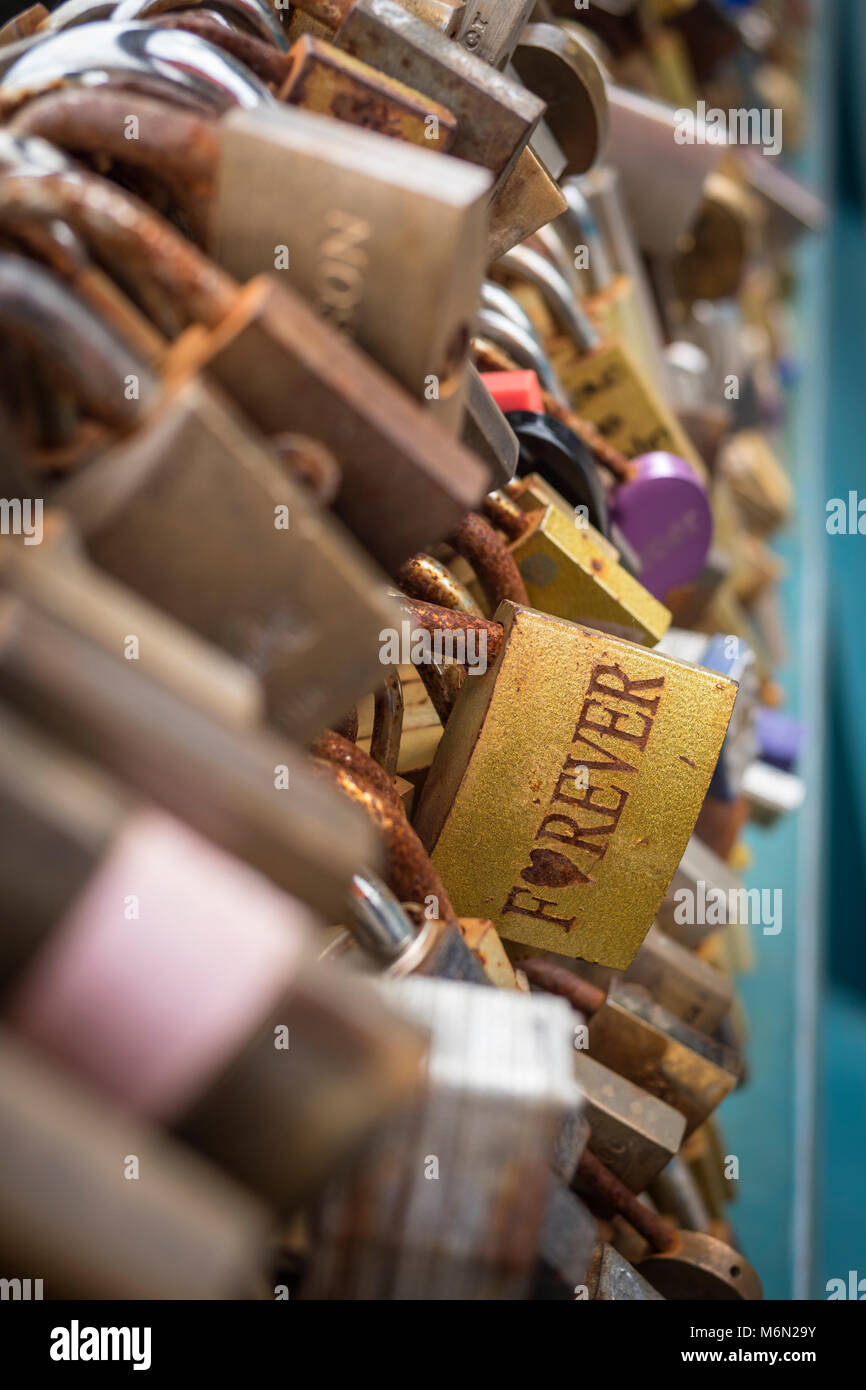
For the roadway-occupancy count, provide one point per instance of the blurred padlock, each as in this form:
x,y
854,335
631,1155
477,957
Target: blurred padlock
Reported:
x,y
268,578
99,1205
450,1203
345,204
586,876
171,715
194,1001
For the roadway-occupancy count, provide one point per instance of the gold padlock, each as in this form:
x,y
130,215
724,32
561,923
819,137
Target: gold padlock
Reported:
x,y
568,571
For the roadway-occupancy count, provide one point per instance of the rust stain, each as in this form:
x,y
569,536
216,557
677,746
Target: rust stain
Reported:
x,y
550,869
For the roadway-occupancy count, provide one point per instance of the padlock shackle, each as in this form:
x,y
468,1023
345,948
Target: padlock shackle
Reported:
x,y
387,723
256,16
174,64
497,298
612,1192
434,618
558,979
269,63
379,923
38,311
426,578
178,146
409,871
491,559
536,270
141,247
579,220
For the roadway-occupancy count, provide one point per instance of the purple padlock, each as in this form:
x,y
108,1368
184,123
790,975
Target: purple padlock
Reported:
x,y
664,513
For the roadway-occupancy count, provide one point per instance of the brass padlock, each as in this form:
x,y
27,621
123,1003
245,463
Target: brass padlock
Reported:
x,y
631,1131
568,571
603,382
583,860
642,1041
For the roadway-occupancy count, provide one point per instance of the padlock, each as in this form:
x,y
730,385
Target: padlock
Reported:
x,y
275,356
496,116
71,1214
269,579
568,572
602,379
499,1084
254,16
636,715
177,722
565,74
693,987
681,981
525,201
320,78
289,370
717,248
345,203
681,1264
769,792
631,1131
642,146
384,930
759,483
204,1011
645,1043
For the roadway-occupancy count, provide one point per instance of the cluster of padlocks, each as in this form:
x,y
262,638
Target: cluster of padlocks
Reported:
x,y
390,418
